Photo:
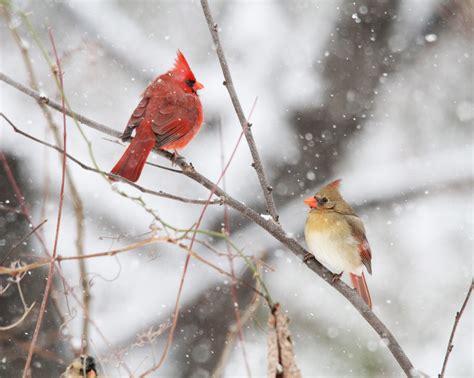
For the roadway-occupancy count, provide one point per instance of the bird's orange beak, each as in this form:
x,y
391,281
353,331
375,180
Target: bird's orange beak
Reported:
x,y
197,86
311,202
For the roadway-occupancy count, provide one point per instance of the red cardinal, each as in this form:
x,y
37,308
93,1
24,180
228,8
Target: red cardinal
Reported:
x,y
168,116
335,235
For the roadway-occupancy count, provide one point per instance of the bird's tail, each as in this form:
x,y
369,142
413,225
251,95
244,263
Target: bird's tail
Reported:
x,y
131,163
361,287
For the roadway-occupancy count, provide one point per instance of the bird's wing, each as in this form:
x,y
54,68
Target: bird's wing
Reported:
x,y
135,119
172,117
358,231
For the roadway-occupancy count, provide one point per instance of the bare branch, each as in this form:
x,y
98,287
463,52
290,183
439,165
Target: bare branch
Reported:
x,y
56,106
274,229
75,197
22,240
229,84
110,175
247,315
26,370
19,321
21,269
233,286
186,263
26,309
455,325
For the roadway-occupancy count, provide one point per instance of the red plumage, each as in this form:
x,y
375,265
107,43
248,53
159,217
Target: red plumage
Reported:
x,y
168,117
360,284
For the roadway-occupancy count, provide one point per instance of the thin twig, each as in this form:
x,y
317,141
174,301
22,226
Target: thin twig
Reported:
x,y
26,309
244,123
18,270
20,242
26,212
233,286
247,314
76,199
273,229
183,275
457,318
230,256
186,263
110,175
56,106
26,370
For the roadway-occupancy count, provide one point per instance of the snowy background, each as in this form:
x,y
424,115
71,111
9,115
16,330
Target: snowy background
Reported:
x,y
378,93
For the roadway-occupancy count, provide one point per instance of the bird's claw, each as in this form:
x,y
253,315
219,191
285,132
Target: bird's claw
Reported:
x,y
308,256
177,158
336,277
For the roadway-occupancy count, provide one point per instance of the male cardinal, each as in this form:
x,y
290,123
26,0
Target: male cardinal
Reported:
x,y
335,235
82,367
168,116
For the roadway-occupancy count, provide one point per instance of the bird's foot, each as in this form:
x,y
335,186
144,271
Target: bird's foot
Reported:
x,y
177,158
336,277
308,256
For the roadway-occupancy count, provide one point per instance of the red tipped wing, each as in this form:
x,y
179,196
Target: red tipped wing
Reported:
x,y
358,231
366,254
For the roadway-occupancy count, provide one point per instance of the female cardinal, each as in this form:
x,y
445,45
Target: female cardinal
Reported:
x,y
168,116
335,235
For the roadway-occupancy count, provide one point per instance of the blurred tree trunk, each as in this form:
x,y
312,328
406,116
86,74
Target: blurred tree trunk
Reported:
x,y
357,55
53,350
210,319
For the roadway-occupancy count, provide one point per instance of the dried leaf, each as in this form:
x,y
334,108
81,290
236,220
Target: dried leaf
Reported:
x,y
281,357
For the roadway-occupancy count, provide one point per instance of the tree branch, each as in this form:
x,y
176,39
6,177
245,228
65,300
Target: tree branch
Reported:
x,y
76,198
272,227
22,269
21,241
56,106
229,84
159,193
47,290
456,321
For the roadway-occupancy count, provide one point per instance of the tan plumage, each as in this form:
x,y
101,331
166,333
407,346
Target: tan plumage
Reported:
x,y
82,367
335,235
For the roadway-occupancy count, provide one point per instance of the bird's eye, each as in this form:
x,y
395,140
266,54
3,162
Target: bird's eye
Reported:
x,y
324,200
190,83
